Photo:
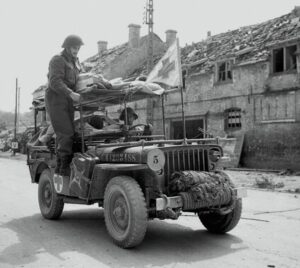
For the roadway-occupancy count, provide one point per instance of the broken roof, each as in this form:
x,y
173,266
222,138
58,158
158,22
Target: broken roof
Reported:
x,y
97,63
247,44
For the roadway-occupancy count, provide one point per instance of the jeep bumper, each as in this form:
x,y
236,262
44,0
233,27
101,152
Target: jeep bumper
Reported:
x,y
176,201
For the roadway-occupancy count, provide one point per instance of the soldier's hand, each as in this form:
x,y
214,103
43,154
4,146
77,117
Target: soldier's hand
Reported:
x,y
75,97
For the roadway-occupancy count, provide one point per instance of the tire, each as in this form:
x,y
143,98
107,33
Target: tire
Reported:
x,y
124,196
51,206
220,224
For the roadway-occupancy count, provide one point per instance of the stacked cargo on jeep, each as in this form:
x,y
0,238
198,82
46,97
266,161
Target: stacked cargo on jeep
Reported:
x,y
136,177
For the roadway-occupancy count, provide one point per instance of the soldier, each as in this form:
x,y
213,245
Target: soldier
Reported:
x,y
131,116
60,95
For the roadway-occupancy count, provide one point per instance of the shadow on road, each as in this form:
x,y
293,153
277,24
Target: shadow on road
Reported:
x,y
84,231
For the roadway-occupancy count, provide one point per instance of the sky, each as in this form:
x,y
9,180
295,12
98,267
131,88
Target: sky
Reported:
x,y
32,31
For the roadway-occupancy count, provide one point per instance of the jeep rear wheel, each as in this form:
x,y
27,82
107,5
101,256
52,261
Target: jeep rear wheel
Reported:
x,y
51,206
220,224
125,211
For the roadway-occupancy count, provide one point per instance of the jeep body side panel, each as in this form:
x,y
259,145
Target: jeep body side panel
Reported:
x,y
37,162
104,172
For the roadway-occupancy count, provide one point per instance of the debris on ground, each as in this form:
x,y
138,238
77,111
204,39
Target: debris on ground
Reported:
x,y
271,181
264,182
268,183
286,172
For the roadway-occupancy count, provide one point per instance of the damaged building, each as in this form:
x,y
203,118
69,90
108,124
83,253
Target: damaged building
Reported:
x,y
245,83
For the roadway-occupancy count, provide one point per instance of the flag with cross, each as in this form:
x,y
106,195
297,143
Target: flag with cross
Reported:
x,y
168,70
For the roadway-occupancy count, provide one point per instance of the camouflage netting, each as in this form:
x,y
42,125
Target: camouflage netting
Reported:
x,y
202,188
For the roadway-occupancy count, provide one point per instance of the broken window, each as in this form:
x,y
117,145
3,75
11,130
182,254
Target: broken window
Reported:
x,y
224,71
233,118
291,62
284,59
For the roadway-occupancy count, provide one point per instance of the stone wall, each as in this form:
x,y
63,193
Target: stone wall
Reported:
x,y
270,112
274,146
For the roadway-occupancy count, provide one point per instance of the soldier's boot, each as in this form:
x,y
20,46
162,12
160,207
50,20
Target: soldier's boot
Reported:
x,y
58,164
65,172
65,169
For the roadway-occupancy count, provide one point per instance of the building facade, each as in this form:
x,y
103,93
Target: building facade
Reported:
x,y
245,83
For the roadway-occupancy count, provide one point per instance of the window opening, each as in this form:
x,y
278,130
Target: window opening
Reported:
x,y
233,119
224,71
284,59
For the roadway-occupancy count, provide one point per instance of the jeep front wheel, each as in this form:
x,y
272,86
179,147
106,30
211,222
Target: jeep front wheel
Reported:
x,y
51,206
220,224
125,211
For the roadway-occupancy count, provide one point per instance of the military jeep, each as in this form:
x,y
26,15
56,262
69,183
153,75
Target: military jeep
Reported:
x,y
136,177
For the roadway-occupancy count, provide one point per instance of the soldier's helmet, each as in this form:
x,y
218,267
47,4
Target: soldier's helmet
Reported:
x,y
72,41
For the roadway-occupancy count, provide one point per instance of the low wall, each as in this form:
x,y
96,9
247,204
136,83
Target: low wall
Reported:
x,y
272,146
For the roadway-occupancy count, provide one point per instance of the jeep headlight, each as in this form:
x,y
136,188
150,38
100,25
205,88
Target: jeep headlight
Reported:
x,y
156,159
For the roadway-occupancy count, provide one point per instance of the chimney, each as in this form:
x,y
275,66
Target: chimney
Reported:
x,y
170,37
134,35
102,46
296,11
208,34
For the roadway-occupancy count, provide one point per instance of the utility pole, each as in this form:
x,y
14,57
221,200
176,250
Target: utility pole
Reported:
x,y
149,21
14,143
18,111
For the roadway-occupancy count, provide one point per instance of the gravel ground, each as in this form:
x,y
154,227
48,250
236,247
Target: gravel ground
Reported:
x,y
272,181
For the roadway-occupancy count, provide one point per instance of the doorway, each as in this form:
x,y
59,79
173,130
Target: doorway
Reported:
x,y
194,129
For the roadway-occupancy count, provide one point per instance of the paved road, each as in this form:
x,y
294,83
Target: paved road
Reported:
x,y
79,239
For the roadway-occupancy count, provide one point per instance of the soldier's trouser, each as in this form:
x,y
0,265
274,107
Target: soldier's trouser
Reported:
x,y
61,112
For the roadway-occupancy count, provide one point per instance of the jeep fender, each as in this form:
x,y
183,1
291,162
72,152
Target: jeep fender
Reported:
x,y
104,172
39,169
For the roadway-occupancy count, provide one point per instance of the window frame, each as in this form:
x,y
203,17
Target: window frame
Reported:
x,y
235,114
227,72
285,56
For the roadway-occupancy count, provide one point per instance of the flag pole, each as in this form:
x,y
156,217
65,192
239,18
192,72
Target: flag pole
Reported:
x,y
163,114
183,115
181,91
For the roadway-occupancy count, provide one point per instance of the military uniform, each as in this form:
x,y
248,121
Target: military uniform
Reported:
x,y
63,75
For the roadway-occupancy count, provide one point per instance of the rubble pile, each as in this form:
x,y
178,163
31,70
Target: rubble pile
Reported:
x,y
247,44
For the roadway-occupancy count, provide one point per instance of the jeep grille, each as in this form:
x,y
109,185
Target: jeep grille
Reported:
x,y
185,158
